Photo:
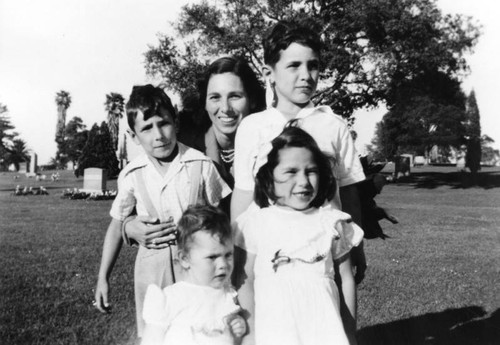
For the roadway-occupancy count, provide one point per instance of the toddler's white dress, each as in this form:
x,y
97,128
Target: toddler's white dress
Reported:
x,y
191,314
296,298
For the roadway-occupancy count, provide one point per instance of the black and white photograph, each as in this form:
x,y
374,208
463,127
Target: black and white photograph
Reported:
x,y
249,172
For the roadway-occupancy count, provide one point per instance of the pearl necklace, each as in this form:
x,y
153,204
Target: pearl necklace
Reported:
x,y
227,156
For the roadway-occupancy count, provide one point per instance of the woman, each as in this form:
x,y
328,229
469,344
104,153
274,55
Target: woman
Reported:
x,y
228,92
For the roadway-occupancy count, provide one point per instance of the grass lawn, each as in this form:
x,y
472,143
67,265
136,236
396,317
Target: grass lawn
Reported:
x,y
436,280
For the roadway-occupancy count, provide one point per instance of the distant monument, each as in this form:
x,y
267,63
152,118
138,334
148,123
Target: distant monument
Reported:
x,y
94,180
33,164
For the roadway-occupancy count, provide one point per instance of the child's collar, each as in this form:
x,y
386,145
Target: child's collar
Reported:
x,y
309,109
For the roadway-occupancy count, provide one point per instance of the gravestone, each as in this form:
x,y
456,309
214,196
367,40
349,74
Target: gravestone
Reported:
x,y
23,168
419,160
94,180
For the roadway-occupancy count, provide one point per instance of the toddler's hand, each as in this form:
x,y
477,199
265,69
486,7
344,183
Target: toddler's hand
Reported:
x,y
238,326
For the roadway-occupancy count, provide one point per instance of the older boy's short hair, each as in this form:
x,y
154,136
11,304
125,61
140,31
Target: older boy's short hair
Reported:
x,y
147,99
285,33
203,218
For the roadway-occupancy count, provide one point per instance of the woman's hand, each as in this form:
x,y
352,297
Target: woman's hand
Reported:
x,y
148,232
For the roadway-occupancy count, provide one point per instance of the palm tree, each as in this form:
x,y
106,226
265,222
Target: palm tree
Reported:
x,y
18,153
114,106
63,101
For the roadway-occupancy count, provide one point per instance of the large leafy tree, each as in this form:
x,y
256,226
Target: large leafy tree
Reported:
x,y
98,152
428,111
114,106
372,47
75,139
488,153
473,134
419,126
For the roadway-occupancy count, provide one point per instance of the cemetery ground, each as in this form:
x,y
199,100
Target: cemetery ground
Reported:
x,y
436,280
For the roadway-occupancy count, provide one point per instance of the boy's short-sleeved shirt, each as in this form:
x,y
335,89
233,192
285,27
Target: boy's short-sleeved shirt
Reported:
x,y
328,129
170,193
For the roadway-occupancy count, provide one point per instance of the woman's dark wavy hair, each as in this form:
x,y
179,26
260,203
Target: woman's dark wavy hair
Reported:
x,y
292,136
284,33
147,99
203,217
238,66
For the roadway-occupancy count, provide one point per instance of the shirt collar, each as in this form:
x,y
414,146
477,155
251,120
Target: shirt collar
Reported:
x,y
186,154
309,109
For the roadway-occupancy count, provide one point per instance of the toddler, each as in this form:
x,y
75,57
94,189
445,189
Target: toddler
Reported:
x,y
200,309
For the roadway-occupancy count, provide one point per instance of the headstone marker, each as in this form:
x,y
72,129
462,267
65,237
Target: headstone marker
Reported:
x,y
94,180
419,160
23,168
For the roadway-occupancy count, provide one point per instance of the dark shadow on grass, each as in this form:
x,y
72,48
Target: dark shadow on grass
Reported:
x,y
431,180
463,326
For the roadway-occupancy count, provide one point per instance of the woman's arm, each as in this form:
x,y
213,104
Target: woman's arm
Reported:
x,y
348,296
144,229
246,295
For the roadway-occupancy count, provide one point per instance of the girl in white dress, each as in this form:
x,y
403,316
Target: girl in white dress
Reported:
x,y
201,308
295,249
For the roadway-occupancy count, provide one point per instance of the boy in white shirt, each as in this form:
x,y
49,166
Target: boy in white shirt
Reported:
x,y
161,184
292,60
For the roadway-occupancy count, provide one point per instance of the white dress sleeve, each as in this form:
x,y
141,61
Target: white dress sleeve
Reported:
x,y
350,235
156,307
246,229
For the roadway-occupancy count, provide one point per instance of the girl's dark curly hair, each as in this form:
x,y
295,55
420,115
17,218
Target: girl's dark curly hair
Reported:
x,y
292,136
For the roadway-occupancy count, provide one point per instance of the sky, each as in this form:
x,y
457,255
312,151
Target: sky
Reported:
x,y
93,47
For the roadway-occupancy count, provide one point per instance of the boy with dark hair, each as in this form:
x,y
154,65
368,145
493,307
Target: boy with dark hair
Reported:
x,y
160,184
292,67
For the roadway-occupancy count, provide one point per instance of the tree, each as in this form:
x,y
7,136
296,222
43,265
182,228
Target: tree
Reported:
x,y
75,139
7,135
63,101
123,154
98,152
473,134
371,47
427,111
114,106
488,154
18,153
